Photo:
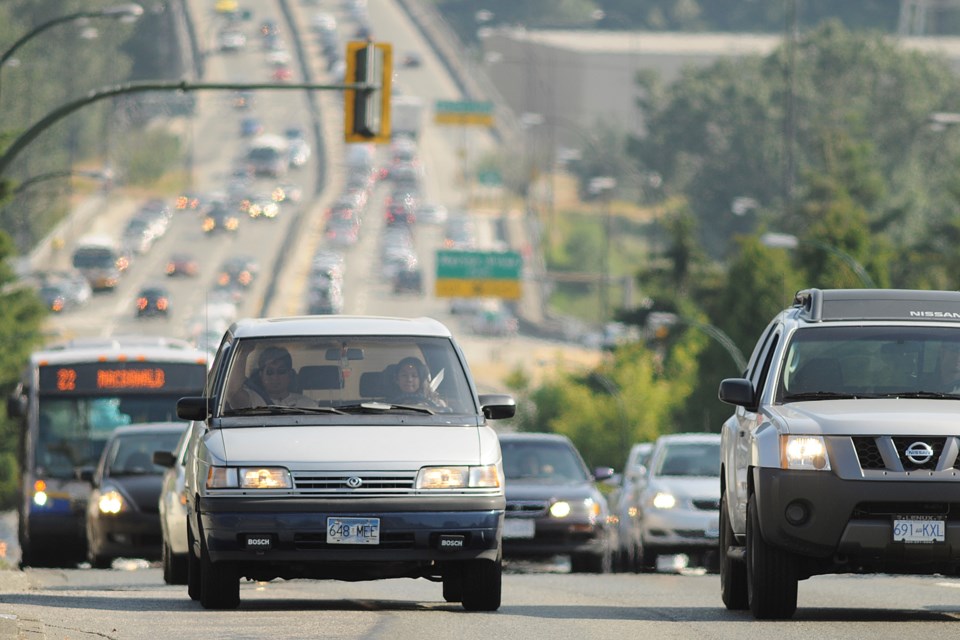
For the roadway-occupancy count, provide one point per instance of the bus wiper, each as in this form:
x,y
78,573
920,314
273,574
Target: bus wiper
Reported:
x,y
277,409
382,407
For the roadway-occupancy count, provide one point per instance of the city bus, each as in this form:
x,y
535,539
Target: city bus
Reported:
x,y
69,401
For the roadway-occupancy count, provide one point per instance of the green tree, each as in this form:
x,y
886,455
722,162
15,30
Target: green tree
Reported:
x,y
21,319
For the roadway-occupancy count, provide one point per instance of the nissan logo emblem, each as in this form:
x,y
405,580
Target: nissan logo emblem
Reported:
x,y
354,482
919,453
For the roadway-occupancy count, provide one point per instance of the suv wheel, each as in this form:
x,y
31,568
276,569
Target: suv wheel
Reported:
x,y
771,573
219,582
733,573
481,585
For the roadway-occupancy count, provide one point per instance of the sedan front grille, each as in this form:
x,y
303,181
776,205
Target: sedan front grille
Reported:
x,y
354,483
526,508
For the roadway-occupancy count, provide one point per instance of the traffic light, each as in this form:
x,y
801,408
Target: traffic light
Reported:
x,y
366,112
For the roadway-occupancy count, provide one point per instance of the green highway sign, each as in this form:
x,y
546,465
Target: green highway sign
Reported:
x,y
463,112
480,274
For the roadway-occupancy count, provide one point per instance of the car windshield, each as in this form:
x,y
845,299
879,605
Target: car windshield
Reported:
x,y
548,462
858,362
133,454
689,459
360,374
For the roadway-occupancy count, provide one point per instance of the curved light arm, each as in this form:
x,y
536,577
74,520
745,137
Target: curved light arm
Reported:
x,y
130,10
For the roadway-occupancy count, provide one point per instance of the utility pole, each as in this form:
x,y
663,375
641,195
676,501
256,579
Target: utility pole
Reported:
x,y
790,116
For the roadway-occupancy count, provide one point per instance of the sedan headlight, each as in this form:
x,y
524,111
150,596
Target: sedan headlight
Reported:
x,y
248,478
804,452
111,503
664,500
487,476
560,509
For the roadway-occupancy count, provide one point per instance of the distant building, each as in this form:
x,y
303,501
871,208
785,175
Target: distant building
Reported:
x,y
568,81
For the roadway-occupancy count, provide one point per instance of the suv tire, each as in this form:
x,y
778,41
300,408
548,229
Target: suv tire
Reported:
x,y
771,573
453,583
733,573
482,585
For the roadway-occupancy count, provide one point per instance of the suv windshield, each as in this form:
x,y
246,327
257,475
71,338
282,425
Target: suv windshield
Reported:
x,y
881,361
357,374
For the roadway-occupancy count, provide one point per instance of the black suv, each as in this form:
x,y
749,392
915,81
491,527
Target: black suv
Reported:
x,y
843,454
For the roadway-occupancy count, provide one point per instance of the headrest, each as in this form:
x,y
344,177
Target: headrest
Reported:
x,y
325,376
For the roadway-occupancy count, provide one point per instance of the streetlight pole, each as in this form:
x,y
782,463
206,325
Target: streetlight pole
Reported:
x,y
788,241
129,11
604,185
64,110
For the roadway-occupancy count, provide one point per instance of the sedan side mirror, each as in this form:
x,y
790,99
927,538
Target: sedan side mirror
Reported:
x,y
602,473
164,458
194,407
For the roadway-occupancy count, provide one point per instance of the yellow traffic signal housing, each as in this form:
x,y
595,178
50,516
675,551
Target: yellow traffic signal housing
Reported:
x,y
366,112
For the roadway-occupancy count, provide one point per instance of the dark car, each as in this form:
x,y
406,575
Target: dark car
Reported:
x,y
220,218
238,272
123,518
553,504
182,264
408,280
153,301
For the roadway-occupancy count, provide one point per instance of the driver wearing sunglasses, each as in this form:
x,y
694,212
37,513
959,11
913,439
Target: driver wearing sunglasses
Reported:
x,y
272,381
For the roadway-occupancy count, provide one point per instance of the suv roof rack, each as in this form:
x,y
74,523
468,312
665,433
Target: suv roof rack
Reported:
x,y
825,305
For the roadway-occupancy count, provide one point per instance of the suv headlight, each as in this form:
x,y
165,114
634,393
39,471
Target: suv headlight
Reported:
x,y
804,452
487,476
248,478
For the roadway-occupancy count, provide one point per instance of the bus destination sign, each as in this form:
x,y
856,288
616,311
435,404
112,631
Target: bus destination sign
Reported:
x,y
122,377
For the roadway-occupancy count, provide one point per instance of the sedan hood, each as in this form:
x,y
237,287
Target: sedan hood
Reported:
x,y
329,446
702,488
520,490
887,416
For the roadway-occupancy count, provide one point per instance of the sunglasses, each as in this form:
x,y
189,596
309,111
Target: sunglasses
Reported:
x,y
276,372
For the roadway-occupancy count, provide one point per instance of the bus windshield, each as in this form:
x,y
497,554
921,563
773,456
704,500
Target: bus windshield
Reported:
x,y
73,430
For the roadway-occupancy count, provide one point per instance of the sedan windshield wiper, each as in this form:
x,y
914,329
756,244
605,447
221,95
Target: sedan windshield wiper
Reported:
x,y
382,407
277,409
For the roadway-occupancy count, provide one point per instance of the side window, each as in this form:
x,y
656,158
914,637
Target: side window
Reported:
x,y
762,373
756,358
216,371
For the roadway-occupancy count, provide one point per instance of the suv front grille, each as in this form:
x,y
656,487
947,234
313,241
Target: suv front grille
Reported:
x,y
371,482
870,453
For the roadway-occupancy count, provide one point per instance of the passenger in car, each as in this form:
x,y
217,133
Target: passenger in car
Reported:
x,y
412,380
271,383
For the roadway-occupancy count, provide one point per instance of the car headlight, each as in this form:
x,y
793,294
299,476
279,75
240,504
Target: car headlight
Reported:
x,y
804,452
560,509
248,478
664,500
111,503
487,476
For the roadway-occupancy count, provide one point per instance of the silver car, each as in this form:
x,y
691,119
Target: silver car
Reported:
x,y
679,504
173,512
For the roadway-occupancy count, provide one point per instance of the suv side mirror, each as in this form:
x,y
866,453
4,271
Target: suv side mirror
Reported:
x,y
194,407
737,391
602,473
16,405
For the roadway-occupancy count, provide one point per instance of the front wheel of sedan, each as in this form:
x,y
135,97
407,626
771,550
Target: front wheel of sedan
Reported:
x,y
219,583
193,569
482,585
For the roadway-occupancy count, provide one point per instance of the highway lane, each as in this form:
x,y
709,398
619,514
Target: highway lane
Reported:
x,y
132,603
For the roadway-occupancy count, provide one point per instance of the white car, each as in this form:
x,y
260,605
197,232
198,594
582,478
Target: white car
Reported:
x,y
679,503
173,512
344,448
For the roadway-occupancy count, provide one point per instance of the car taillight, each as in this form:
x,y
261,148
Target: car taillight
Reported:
x,y
57,305
162,304
224,279
141,303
